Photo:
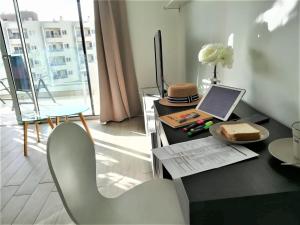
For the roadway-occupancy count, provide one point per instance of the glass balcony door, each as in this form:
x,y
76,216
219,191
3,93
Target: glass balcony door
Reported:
x,y
17,87
53,53
7,116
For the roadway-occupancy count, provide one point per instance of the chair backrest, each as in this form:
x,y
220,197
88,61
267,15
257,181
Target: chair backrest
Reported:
x,y
20,74
71,160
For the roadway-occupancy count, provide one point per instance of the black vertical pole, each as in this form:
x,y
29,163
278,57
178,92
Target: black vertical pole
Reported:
x,y
85,54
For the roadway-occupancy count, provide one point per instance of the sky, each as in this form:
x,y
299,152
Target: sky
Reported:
x,y
49,10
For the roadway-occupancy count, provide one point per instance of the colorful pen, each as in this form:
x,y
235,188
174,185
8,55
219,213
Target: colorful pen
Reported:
x,y
187,117
200,129
208,123
193,125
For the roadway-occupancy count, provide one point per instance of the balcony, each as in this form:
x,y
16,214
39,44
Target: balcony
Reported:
x,y
53,36
14,36
58,64
89,45
53,33
56,50
18,51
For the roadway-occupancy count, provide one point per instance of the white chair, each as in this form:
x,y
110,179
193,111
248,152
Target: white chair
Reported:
x,y
71,159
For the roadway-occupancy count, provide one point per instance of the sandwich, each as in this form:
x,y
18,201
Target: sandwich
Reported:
x,y
240,132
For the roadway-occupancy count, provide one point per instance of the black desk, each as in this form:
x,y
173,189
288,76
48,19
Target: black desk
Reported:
x,y
259,191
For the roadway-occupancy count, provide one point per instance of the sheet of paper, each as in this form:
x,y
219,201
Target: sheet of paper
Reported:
x,y
195,156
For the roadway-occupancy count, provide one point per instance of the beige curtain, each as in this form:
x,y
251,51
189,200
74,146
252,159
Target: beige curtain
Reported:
x,y
119,97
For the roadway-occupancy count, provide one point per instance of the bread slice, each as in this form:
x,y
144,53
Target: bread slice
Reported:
x,y
240,132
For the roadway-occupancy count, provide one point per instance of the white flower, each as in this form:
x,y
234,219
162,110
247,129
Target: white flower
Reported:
x,y
226,57
216,53
208,53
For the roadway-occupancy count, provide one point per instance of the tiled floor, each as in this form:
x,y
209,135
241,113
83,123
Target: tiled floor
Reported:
x,y
28,194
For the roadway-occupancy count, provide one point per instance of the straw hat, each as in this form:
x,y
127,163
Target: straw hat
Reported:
x,y
180,95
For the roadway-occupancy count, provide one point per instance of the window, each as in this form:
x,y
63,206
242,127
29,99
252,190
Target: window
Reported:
x,y
31,63
89,45
60,74
87,32
18,50
83,73
56,47
90,58
58,61
81,59
25,33
80,46
34,75
53,38
53,32
31,47
13,34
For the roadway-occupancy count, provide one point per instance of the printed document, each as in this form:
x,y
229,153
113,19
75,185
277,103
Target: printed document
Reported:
x,y
199,155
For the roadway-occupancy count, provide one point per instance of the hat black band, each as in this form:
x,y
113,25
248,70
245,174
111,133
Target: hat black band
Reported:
x,y
187,99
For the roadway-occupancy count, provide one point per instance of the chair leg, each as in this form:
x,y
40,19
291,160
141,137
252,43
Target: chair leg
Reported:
x,y
44,86
57,120
85,126
50,122
2,101
25,127
37,130
6,88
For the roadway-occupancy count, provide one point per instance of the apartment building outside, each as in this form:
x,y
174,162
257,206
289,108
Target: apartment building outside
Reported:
x,y
55,51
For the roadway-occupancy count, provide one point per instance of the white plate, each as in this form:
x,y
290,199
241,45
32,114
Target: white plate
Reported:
x,y
215,131
282,149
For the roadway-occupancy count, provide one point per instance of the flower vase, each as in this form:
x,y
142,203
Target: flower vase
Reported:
x,y
205,84
214,79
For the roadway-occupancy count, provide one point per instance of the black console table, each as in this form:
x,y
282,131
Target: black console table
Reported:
x,y
259,191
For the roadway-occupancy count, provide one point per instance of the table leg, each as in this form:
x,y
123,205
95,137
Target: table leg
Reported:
x,y
25,127
50,122
85,126
57,120
37,130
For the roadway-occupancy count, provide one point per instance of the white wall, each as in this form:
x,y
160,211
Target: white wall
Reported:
x,y
266,63
144,19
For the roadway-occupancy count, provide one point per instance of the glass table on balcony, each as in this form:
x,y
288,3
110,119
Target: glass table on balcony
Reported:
x,y
55,112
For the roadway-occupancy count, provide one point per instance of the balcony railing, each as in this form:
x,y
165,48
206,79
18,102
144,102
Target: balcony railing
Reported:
x,y
20,51
14,36
58,64
56,50
53,35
